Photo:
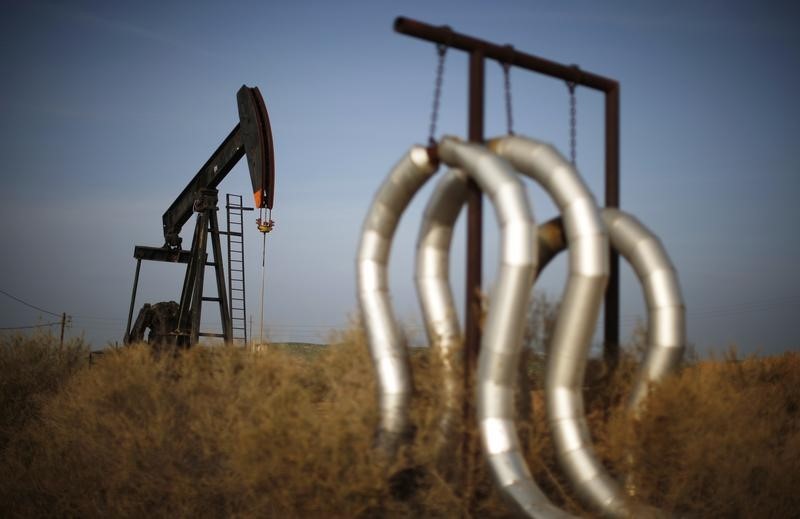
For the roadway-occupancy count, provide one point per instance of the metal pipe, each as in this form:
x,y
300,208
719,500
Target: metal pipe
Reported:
x,y
580,307
666,328
666,312
387,347
584,230
502,338
436,298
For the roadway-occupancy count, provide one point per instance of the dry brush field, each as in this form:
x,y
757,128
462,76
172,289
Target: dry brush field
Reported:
x,y
224,432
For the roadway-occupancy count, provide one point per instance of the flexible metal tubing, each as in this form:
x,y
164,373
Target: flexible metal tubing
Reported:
x,y
666,329
432,281
386,343
585,287
666,312
502,335
499,438
580,307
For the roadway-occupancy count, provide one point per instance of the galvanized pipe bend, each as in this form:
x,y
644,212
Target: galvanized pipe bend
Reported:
x,y
580,307
387,347
583,296
666,312
432,279
635,243
502,335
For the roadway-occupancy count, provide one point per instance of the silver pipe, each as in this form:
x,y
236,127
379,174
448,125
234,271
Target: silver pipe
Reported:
x,y
666,319
666,312
666,327
580,306
502,335
387,347
436,299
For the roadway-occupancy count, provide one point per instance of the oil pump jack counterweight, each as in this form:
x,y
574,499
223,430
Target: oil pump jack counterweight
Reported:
x,y
251,137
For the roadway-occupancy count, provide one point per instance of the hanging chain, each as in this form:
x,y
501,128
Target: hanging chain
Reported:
x,y
441,50
507,87
573,123
509,114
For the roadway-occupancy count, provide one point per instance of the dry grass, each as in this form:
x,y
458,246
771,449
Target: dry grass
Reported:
x,y
32,369
222,432
721,439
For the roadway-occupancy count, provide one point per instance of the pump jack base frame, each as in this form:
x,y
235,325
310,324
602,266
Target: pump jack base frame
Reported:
x,y
185,323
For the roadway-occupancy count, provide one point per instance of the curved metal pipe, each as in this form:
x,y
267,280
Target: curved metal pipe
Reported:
x,y
666,312
580,307
436,299
387,347
502,336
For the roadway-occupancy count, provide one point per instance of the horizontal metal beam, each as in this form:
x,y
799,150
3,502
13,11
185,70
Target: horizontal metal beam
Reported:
x,y
143,252
502,53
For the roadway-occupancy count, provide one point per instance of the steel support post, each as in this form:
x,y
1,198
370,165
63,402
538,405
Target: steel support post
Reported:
x,y
133,300
612,185
222,293
474,267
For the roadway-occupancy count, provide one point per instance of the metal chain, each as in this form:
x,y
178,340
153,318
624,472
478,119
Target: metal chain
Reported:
x,y
441,50
573,126
507,84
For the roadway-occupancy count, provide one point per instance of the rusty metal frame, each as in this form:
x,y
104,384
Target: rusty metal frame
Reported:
x,y
479,51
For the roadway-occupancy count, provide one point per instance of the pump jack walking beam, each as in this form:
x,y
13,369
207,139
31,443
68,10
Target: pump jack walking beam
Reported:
x,y
253,137
479,51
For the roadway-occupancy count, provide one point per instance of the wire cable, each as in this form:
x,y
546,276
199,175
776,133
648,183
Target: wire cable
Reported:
x,y
29,326
28,304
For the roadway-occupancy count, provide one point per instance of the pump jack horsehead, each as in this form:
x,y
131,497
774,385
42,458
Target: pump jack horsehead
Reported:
x,y
178,324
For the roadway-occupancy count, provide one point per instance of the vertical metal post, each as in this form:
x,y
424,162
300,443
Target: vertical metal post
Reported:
x,y
474,274
200,260
133,300
472,312
222,294
480,50
188,290
612,183
63,324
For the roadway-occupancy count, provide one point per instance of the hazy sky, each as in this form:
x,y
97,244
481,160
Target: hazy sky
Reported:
x,y
107,109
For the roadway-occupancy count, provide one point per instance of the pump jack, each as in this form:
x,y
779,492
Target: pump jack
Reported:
x,y
178,324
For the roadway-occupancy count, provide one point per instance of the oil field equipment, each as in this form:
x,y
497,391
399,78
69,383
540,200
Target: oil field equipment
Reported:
x,y
594,238
178,324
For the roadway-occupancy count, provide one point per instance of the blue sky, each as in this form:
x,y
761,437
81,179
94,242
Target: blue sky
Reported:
x,y
108,108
